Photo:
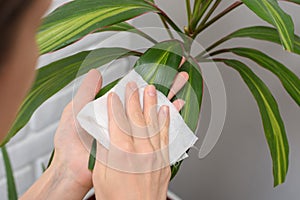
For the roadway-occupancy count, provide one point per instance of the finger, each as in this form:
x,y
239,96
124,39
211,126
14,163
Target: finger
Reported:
x,y
150,115
119,129
178,83
136,120
133,108
164,123
179,103
182,61
88,89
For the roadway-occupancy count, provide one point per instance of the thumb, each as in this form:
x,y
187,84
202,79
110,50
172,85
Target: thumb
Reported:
x,y
88,89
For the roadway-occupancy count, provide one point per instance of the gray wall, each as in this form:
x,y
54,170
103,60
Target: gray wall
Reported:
x,y
239,167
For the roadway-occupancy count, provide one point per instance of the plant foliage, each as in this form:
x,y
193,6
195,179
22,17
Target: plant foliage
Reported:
x,y
160,63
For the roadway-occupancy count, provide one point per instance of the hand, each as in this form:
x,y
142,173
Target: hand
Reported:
x,y
69,148
68,176
136,166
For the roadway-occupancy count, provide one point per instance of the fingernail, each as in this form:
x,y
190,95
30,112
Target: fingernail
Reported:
x,y
151,91
132,85
166,110
181,102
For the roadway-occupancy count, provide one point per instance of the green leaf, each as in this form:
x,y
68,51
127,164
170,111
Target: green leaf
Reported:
x,y
294,1
288,79
92,158
124,26
263,33
272,121
11,186
105,89
50,159
55,76
270,11
159,66
191,93
76,19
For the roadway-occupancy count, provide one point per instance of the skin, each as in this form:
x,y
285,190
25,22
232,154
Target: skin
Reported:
x,y
68,176
17,71
151,183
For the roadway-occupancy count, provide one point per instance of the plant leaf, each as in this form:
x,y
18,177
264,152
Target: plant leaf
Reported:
x,y
159,64
11,186
294,1
55,76
192,94
76,19
263,33
288,79
272,121
124,26
92,158
270,11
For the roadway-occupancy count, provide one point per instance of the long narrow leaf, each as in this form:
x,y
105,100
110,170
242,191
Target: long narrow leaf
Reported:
x,y
255,32
124,26
270,11
288,79
263,33
272,121
192,94
11,186
294,1
159,65
55,76
92,158
78,18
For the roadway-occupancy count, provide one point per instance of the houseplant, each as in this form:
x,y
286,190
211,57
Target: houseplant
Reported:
x,y
64,27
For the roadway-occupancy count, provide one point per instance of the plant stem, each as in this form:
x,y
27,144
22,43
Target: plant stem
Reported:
x,y
216,53
167,18
199,12
167,27
216,18
211,11
188,10
214,45
170,22
146,36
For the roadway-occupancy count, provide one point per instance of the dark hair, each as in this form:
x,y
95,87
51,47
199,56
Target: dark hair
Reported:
x,y
10,13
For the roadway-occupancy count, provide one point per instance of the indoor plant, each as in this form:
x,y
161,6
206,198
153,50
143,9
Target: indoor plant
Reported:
x,y
64,27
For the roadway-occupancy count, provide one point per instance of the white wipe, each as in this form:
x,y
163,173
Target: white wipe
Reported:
x,y
94,119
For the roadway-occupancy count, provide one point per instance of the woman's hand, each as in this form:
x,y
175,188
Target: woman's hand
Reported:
x,y
136,166
68,176
70,138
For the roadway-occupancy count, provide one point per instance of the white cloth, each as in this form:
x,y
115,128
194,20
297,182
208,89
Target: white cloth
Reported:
x,y
94,119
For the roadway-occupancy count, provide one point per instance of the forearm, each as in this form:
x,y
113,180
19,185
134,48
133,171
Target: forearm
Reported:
x,y
55,184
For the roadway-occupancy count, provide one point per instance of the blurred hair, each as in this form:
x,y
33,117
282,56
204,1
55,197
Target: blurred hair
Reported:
x,y
10,14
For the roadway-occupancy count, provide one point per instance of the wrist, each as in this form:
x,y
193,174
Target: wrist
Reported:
x,y
63,175
56,183
62,182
